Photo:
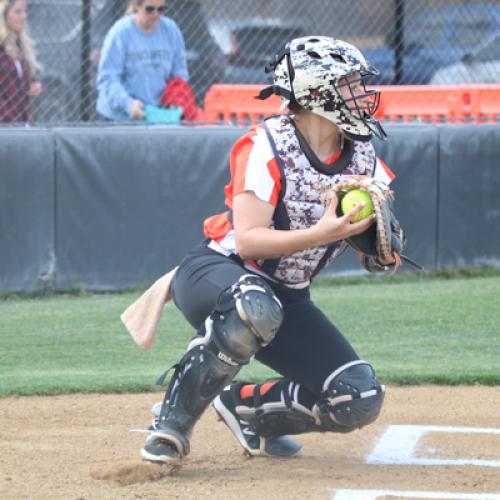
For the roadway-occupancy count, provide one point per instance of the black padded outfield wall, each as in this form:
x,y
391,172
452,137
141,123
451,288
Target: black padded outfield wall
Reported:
x,y
469,196
116,207
27,210
131,202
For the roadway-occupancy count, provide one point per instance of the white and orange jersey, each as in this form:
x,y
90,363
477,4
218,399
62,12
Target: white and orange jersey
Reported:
x,y
254,167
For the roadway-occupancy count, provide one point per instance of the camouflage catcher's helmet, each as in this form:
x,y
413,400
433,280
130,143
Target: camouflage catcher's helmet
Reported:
x,y
313,71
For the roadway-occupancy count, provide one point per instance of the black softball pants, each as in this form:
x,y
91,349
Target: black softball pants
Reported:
x,y
307,347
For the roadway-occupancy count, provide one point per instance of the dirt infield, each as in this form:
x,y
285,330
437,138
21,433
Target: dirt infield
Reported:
x,y
79,447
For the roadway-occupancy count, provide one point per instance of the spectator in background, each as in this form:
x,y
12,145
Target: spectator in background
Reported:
x,y
142,52
18,65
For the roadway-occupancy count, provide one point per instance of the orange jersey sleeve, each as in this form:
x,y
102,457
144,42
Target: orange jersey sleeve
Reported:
x,y
254,168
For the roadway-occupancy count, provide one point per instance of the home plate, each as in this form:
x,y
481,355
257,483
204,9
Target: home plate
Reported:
x,y
399,443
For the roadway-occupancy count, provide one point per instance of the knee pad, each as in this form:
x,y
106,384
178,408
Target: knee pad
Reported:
x,y
246,318
351,398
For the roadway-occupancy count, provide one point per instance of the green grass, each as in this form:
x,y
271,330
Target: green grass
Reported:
x,y
416,329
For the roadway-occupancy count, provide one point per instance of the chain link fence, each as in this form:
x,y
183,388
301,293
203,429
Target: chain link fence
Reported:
x,y
229,41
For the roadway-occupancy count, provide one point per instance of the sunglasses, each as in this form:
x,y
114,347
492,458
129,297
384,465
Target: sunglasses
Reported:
x,y
150,9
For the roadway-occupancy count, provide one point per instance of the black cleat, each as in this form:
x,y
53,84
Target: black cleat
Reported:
x,y
159,450
163,445
253,444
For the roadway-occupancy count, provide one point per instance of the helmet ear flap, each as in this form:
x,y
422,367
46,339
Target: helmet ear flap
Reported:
x,y
283,75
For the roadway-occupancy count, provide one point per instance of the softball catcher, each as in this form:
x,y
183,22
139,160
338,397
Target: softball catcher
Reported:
x,y
245,289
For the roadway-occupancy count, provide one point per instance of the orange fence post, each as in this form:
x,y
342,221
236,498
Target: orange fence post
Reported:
x,y
398,103
481,103
225,102
423,103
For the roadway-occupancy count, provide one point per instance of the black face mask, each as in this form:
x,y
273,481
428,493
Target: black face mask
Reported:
x,y
364,113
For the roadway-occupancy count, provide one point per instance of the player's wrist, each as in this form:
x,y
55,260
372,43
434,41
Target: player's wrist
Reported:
x,y
316,236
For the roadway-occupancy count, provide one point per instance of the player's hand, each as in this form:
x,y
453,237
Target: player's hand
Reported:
x,y
334,228
136,110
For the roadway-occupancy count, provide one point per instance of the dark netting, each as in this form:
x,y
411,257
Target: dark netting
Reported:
x,y
438,42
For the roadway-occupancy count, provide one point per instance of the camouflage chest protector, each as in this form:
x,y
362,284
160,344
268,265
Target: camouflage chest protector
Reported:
x,y
301,203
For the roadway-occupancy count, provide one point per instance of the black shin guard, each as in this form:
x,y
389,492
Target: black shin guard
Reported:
x,y
277,413
247,317
351,399
198,378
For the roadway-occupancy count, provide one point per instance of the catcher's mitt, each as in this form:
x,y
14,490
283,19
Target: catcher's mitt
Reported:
x,y
384,240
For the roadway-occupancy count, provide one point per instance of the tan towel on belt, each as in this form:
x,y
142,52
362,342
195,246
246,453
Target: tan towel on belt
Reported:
x,y
143,316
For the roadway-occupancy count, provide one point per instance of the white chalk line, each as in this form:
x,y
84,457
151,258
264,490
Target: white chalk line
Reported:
x,y
398,444
374,494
